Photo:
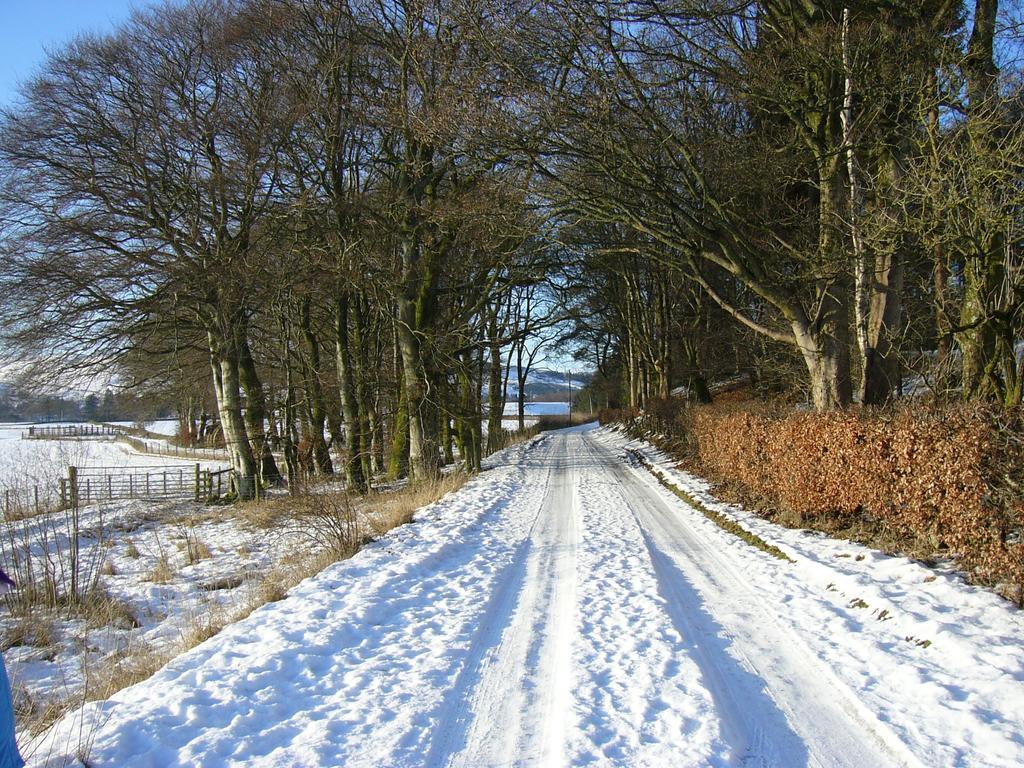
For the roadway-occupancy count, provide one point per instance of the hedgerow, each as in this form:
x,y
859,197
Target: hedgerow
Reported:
x,y
943,480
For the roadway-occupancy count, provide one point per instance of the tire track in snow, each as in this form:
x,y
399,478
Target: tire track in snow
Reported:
x,y
757,668
639,699
348,669
508,704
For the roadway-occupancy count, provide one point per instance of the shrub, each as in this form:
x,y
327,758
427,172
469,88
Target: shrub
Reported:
x,y
607,416
932,479
162,572
329,522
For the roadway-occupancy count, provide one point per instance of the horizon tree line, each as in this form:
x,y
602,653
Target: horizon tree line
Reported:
x,y
355,218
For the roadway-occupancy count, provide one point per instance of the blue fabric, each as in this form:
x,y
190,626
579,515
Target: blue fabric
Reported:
x,y
9,755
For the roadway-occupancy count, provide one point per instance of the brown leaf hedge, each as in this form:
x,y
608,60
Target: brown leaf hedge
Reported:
x,y
934,479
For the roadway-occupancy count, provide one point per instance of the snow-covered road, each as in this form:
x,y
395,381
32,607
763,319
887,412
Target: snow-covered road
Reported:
x,y
564,610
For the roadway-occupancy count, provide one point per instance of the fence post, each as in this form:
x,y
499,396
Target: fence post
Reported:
x,y
198,495
36,498
110,489
63,493
131,486
7,503
73,485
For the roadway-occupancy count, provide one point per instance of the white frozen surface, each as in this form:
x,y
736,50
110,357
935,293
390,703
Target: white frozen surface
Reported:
x,y
564,609
167,427
26,462
537,409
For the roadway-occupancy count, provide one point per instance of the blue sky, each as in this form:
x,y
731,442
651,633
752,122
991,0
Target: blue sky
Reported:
x,y
29,27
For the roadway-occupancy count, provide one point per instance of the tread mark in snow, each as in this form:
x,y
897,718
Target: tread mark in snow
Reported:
x,y
696,580
493,715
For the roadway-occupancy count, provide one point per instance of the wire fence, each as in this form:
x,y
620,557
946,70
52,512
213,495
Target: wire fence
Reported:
x,y
90,485
72,431
155,448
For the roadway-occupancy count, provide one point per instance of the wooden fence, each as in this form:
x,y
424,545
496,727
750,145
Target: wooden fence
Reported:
x,y
129,436
155,449
65,431
30,500
89,485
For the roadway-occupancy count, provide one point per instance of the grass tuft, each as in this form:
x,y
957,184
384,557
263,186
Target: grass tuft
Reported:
x,y
390,510
32,632
162,572
723,522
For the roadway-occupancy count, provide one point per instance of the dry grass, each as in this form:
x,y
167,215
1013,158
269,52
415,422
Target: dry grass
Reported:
x,y
385,511
196,549
132,665
101,610
202,627
264,515
35,715
32,631
108,569
131,550
334,525
329,523
272,587
162,572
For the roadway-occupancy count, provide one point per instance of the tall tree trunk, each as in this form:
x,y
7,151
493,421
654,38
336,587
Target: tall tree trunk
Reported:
x,y
256,413
521,374
664,344
446,412
983,271
881,362
360,374
495,392
880,370
224,365
828,369
423,448
942,301
863,275
376,436
824,341
289,432
415,302
314,392
354,475
697,385
398,462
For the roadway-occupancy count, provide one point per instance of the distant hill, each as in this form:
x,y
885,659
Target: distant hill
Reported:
x,y
542,383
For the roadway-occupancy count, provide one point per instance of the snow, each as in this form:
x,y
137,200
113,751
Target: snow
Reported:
x,y
544,380
565,609
166,427
131,538
27,461
33,468
537,409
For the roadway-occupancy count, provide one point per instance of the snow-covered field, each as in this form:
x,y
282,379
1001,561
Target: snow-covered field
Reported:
x,y
169,564
31,469
537,409
565,609
45,459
